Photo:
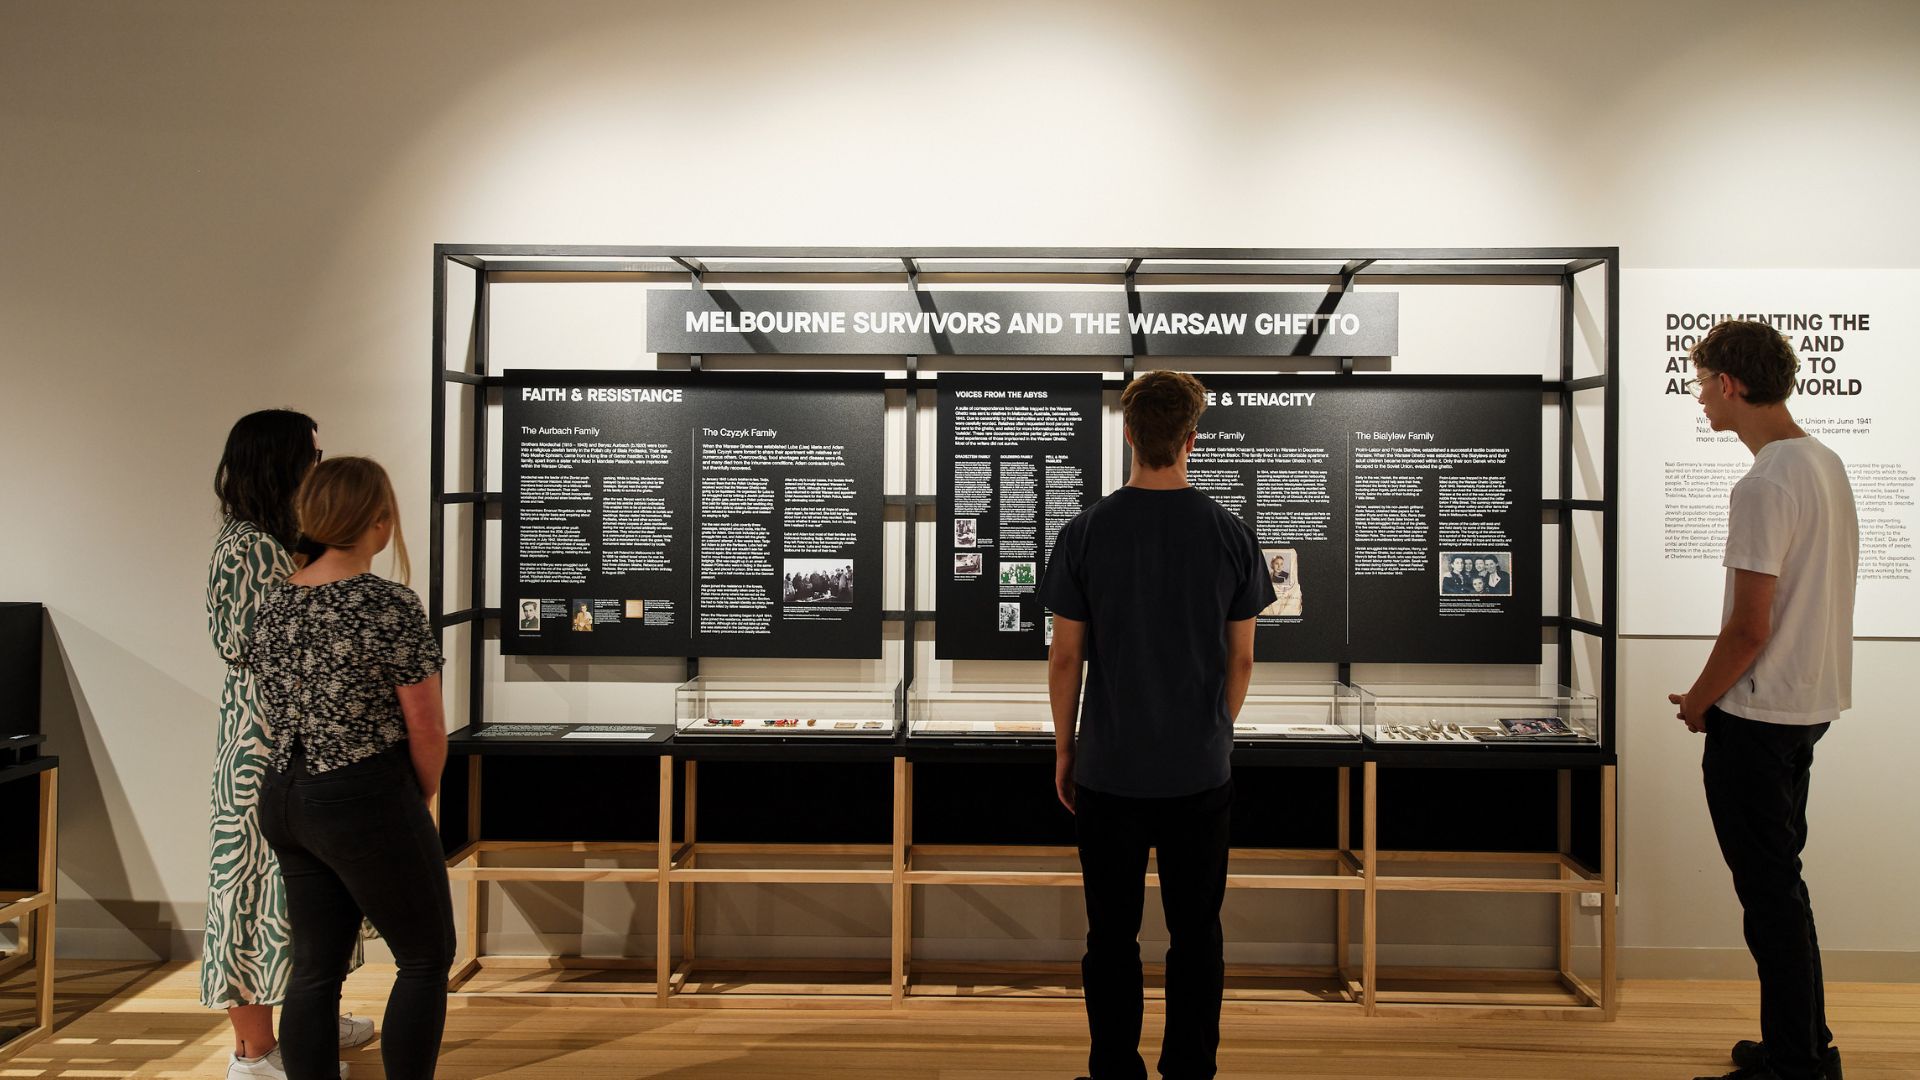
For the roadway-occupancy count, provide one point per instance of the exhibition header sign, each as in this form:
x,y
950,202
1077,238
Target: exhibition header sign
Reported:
x,y
1029,323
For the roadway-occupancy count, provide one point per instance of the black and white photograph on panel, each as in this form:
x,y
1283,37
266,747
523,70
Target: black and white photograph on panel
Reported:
x,y
704,513
1283,570
816,581
1366,491
1019,457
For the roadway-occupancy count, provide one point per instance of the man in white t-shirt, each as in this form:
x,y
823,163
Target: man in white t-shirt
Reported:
x,y
1780,672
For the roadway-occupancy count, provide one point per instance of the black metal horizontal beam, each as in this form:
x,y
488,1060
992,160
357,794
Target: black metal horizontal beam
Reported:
x,y
1579,265
466,615
900,615
1568,622
472,497
910,500
466,377
1304,273
1564,255
588,266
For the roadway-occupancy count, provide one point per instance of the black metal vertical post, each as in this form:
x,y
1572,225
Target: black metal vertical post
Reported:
x,y
696,272
437,453
477,631
1610,544
910,631
1563,637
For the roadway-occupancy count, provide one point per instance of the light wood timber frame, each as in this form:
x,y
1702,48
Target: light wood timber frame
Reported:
x,y
1353,872
467,868
35,913
1559,991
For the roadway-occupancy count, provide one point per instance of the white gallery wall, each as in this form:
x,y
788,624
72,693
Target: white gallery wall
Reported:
x,y
208,208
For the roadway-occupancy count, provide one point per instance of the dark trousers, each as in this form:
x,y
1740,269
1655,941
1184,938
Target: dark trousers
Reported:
x,y
358,841
1756,777
1189,837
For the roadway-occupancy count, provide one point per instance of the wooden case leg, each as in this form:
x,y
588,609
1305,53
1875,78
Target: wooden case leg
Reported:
x,y
43,919
36,931
902,780
1609,895
1370,896
1342,907
1564,821
474,911
690,780
663,888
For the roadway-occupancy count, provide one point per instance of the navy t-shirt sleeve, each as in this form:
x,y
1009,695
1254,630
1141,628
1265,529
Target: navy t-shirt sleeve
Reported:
x,y
1256,585
1063,590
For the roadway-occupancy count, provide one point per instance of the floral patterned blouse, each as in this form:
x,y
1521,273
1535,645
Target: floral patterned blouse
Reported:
x,y
326,659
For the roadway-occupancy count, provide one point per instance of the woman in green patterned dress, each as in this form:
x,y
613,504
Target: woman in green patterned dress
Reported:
x,y
247,958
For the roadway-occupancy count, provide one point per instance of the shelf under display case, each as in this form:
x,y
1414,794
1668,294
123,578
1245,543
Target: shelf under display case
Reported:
x,y
724,707
1439,716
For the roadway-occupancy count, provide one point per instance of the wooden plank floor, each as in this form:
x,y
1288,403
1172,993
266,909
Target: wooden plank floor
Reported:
x,y
124,1020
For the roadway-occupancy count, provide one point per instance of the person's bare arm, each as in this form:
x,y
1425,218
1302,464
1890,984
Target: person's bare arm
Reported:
x,y
1064,658
426,731
1239,664
1740,641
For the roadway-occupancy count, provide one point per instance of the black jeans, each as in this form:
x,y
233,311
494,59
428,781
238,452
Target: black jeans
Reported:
x,y
358,841
1189,837
1756,777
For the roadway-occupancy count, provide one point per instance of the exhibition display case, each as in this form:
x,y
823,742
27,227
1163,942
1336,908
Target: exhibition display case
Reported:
x,y
1319,713
1277,713
724,707
1436,716
938,708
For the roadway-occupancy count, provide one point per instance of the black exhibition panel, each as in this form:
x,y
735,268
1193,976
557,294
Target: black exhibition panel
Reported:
x,y
663,513
1364,491
20,631
1019,455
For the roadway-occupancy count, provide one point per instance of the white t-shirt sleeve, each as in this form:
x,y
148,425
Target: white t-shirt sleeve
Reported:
x,y
1759,526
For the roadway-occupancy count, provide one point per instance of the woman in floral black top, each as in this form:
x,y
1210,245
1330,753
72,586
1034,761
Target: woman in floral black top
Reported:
x,y
348,673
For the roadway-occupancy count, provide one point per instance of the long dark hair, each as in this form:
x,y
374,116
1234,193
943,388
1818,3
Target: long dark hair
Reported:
x,y
268,453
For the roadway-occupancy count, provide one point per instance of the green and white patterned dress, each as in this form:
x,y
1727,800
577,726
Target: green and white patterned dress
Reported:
x,y
248,955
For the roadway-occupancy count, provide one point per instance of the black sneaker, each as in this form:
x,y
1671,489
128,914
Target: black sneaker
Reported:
x,y
1749,1054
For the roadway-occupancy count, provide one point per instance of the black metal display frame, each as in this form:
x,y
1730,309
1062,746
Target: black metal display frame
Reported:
x,y
1338,268
1585,770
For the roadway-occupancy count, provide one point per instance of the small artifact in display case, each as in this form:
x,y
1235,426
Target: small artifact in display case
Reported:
x,y
723,707
1466,716
1535,727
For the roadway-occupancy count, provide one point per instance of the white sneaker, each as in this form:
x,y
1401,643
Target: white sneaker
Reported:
x,y
354,1031
265,1067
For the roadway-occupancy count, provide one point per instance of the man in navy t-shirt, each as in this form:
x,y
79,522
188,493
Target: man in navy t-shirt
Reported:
x,y
1155,588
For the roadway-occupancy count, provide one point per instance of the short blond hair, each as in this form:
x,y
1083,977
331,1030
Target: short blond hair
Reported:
x,y
341,498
